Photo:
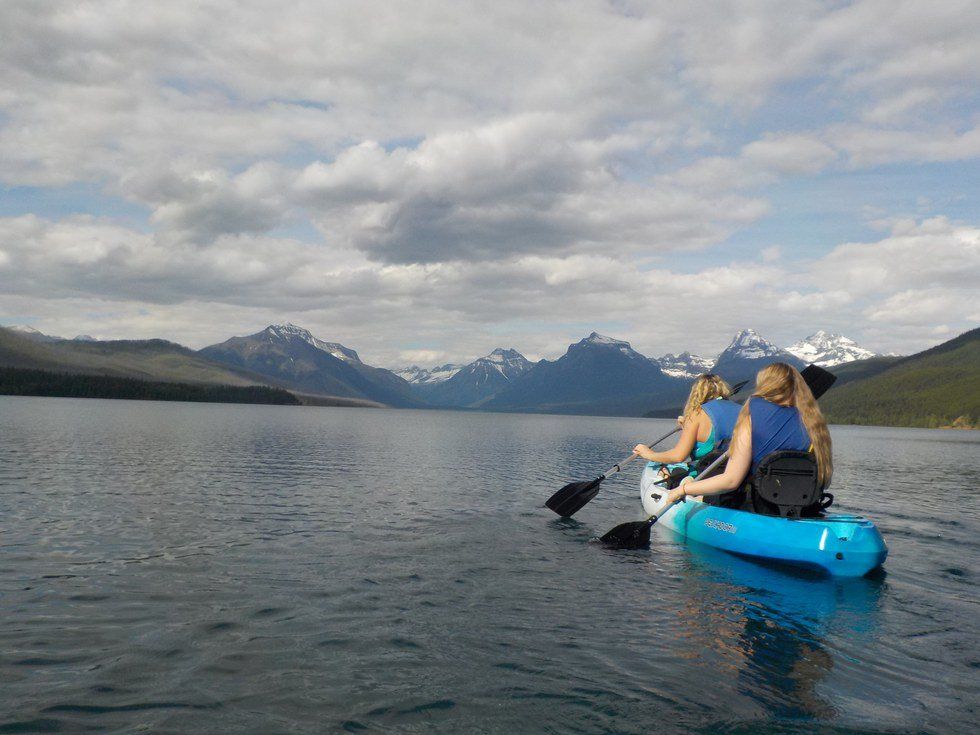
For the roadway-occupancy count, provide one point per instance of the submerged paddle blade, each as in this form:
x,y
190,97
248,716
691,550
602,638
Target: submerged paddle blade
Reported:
x,y
570,499
633,535
818,379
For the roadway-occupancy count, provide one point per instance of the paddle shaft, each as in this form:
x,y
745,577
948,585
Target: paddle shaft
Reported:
x,y
618,467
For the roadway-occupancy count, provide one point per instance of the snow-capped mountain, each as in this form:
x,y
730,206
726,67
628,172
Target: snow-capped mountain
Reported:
x,y
748,353
472,384
684,365
425,376
334,348
750,345
600,340
509,363
293,358
84,338
827,349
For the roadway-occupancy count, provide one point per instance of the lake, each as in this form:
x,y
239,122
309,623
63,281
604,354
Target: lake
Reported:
x,y
203,568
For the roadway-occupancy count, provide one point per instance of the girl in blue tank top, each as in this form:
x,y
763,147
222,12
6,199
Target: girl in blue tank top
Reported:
x,y
781,414
708,420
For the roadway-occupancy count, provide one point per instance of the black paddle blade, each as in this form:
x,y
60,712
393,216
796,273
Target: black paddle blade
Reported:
x,y
633,535
570,499
818,379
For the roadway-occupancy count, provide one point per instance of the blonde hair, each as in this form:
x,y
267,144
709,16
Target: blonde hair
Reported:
x,y
783,385
706,388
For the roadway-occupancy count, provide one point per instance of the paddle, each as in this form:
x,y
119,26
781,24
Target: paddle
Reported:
x,y
573,497
636,534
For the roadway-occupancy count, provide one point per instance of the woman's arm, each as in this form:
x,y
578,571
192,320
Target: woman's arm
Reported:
x,y
681,451
739,462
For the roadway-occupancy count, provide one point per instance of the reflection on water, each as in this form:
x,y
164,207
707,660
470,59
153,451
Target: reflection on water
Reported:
x,y
193,568
769,625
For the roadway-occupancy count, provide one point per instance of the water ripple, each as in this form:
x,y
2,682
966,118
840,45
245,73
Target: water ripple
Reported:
x,y
199,568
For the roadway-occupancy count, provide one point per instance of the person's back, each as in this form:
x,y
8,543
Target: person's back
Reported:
x,y
723,413
708,421
775,428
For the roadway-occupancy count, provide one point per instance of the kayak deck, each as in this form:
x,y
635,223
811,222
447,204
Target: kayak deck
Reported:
x,y
840,545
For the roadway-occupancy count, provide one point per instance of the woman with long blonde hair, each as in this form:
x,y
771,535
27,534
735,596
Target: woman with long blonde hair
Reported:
x,y
708,419
781,414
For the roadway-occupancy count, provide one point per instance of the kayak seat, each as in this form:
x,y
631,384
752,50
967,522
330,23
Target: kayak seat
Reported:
x,y
785,484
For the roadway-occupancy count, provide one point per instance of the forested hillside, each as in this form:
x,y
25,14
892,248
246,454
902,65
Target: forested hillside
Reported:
x,y
938,387
19,382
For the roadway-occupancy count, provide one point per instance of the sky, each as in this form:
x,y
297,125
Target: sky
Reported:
x,y
424,182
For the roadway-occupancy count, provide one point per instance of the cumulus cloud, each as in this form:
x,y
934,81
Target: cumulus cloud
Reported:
x,y
450,308
931,253
520,185
401,177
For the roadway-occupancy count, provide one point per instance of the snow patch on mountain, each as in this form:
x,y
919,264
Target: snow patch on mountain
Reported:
x,y
827,349
426,376
509,363
684,365
284,331
600,340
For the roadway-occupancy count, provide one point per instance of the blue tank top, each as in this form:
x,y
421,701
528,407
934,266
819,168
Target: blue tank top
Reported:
x,y
774,428
723,414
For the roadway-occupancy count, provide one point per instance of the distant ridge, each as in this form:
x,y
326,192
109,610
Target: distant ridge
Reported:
x,y
828,350
597,375
291,356
684,365
416,375
471,385
153,359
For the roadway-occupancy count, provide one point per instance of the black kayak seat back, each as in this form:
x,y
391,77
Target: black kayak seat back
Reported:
x,y
785,484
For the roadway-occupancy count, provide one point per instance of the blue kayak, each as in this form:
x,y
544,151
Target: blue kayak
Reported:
x,y
840,545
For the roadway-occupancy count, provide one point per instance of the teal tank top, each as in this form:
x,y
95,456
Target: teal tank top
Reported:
x,y
723,414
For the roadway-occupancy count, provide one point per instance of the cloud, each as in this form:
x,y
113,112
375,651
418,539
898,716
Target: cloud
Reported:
x,y
872,146
142,285
529,184
932,253
405,177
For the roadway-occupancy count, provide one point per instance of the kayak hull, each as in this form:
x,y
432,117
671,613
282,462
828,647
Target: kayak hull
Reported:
x,y
839,545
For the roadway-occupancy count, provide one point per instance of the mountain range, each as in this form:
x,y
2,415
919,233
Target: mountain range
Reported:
x,y
469,386
597,375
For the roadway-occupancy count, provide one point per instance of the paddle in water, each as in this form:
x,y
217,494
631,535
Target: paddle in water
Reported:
x,y
573,497
636,534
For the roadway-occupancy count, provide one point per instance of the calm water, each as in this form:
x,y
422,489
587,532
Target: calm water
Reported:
x,y
193,568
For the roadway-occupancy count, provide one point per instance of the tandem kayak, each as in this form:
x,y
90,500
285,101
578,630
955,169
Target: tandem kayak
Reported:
x,y
839,545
